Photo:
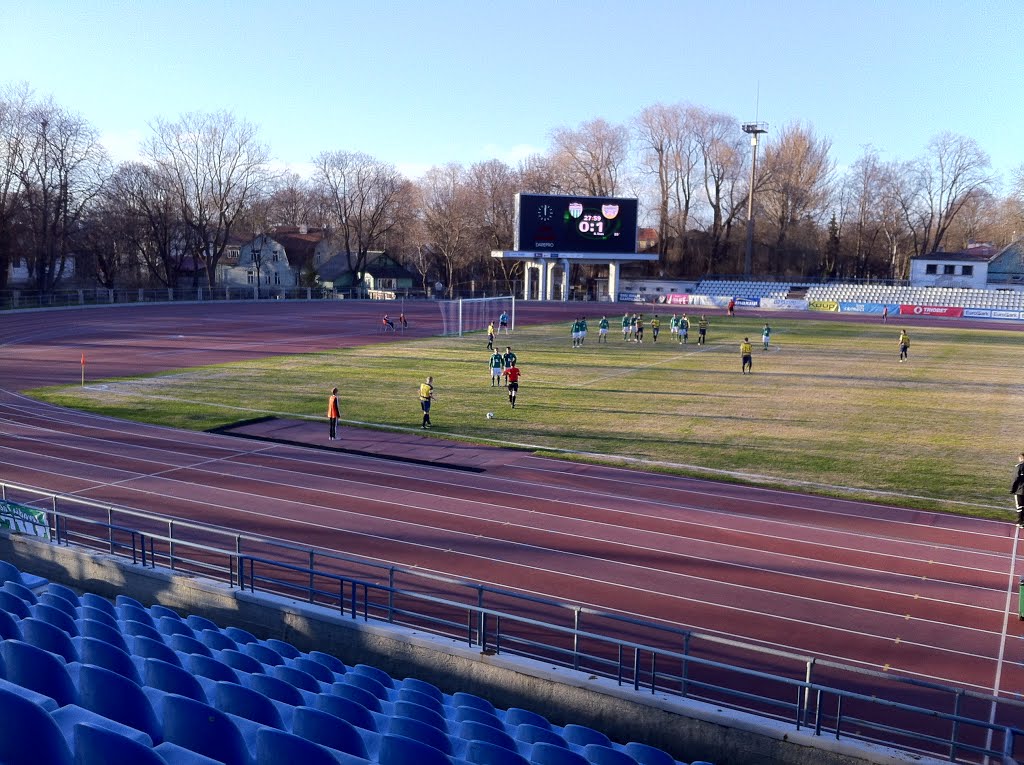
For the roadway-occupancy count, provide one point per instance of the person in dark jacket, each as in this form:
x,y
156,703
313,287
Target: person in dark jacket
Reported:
x,y
1017,490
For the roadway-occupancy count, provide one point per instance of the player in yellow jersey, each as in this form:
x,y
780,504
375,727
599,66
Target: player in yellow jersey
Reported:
x,y
426,397
745,356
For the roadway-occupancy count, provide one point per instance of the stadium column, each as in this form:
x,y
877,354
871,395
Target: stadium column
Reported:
x,y
613,280
548,269
527,271
565,279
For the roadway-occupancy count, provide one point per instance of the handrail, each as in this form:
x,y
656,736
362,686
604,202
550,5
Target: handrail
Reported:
x,y
494,629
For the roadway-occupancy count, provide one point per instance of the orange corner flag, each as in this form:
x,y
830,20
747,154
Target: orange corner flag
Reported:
x,y
83,359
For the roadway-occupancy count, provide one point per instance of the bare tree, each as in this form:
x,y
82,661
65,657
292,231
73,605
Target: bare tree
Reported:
x,y
16,141
366,199
216,165
798,174
669,153
591,159
722,157
863,189
492,186
293,202
64,172
447,219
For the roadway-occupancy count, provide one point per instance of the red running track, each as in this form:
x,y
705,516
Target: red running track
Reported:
x,y
916,593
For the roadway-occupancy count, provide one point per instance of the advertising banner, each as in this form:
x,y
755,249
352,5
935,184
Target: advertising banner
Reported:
x,y
931,310
631,297
23,519
852,307
784,304
747,303
678,299
822,305
978,313
998,314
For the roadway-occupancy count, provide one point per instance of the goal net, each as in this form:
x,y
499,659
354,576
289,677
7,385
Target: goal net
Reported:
x,y
474,314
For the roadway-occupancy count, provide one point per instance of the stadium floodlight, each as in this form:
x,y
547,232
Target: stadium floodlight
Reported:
x,y
753,129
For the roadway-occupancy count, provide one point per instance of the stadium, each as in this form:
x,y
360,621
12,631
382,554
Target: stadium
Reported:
x,y
507,589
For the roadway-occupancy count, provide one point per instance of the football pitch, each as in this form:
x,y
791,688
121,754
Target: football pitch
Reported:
x,y
828,408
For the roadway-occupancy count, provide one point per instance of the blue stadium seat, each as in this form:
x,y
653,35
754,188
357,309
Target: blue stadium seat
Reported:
x,y
9,628
203,729
124,600
581,735
647,755
603,755
168,626
132,628
367,683
475,731
275,689
172,754
347,710
93,628
56,617
95,601
40,700
331,731
532,734
421,686
44,635
549,754
185,644
64,592
97,615
62,604
261,653
127,612
240,636
20,591
301,680
10,573
419,731
29,736
399,750
479,716
237,660
485,753
359,695
379,675
274,747
117,698
171,678
515,716
285,650
148,648
198,623
314,668
419,712
245,702
95,745
332,663
410,696
38,670
216,640
205,666
158,612
14,605
93,651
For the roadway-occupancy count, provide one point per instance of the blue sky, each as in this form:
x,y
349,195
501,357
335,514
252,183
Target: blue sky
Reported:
x,y
422,83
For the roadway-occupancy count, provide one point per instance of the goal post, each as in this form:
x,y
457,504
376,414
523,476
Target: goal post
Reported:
x,y
474,314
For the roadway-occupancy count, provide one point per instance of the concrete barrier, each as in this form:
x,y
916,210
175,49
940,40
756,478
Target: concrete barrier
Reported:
x,y
689,730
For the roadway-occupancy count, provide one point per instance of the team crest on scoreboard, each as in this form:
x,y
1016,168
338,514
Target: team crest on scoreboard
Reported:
x,y
576,209
609,211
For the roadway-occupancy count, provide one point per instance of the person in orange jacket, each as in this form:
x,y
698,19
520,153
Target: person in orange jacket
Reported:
x,y
333,414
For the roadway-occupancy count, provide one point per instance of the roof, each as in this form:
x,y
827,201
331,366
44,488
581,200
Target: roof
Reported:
x,y
959,257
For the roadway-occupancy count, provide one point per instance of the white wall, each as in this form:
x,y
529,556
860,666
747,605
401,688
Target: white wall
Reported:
x,y
919,276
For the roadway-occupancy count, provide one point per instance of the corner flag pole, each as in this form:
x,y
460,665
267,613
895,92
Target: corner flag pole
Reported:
x,y
83,370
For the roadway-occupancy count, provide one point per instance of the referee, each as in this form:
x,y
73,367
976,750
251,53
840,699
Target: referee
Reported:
x,y
426,396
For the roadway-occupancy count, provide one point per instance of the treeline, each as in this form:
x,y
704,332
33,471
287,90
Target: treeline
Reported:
x,y
207,180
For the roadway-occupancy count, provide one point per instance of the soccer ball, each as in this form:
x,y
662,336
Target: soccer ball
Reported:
x,y
490,415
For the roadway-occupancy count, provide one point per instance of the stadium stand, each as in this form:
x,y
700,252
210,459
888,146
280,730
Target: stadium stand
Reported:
x,y
85,681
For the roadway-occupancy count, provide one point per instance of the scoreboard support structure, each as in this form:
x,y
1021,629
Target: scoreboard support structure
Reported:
x,y
546,264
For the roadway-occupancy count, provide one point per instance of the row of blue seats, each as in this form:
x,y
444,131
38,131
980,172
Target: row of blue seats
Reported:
x,y
159,676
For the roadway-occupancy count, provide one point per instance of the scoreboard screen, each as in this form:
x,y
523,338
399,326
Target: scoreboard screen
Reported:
x,y
545,222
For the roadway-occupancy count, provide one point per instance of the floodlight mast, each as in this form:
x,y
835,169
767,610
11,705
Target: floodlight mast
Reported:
x,y
753,129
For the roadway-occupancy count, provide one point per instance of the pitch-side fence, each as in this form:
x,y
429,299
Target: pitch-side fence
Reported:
x,y
808,692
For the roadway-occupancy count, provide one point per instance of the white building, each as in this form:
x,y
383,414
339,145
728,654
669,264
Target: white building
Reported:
x,y
962,270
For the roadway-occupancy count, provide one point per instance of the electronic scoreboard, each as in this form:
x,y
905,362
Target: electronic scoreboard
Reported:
x,y
555,223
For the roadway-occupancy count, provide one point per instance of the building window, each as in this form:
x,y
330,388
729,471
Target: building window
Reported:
x,y
967,271
250,276
931,269
277,278
949,270
387,284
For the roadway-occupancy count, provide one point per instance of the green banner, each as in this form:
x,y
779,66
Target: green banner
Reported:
x,y
22,519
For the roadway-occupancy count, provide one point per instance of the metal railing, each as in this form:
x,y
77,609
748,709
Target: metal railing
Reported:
x,y
825,697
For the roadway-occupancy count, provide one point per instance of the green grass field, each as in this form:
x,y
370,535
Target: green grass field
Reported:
x,y
828,405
